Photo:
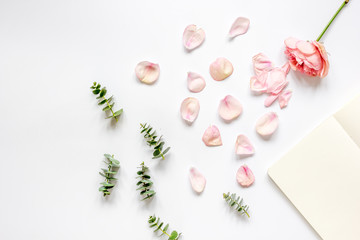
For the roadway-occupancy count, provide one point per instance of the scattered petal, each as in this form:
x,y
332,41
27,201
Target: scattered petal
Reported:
x,y
258,83
284,98
276,81
212,136
261,63
267,124
195,82
190,108
245,176
221,69
270,100
239,27
193,37
286,68
243,146
229,108
197,180
147,72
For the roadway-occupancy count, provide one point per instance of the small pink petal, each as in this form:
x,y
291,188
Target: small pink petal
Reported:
x,y
276,81
286,68
245,176
243,146
261,63
212,136
147,72
258,83
195,82
221,69
267,124
270,100
190,108
284,98
306,47
229,108
240,26
197,180
193,37
291,42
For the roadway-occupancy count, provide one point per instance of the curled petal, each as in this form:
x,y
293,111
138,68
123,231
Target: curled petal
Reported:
x,y
147,72
286,68
258,83
276,81
245,176
243,146
193,37
267,124
270,100
221,69
190,108
240,26
212,136
197,180
195,82
261,63
229,108
284,98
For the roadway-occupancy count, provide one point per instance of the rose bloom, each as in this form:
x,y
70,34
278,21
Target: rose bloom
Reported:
x,y
308,57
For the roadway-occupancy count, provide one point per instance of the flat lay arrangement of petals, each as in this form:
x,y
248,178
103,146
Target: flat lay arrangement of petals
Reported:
x,y
307,57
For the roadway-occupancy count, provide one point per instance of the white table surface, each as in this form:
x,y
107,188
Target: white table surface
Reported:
x,y
53,135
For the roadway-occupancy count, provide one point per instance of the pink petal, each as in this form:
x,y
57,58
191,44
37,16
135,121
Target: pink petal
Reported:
x,y
147,72
267,124
276,81
306,48
261,63
193,37
258,83
291,42
240,26
284,98
229,108
270,100
195,82
190,108
286,68
243,146
245,176
221,69
197,180
212,136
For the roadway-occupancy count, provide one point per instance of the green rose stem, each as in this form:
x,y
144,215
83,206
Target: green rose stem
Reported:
x,y
332,19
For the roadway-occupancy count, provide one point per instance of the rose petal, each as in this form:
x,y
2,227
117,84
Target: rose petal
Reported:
x,y
286,68
306,47
270,100
197,180
195,82
276,81
291,42
267,124
284,98
221,69
193,37
245,176
147,72
190,108
212,136
240,26
258,83
229,108
261,63
243,146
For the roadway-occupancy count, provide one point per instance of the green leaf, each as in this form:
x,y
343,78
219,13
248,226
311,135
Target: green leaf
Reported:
x,y
166,227
166,150
96,91
149,192
102,102
173,235
105,184
103,92
118,113
156,153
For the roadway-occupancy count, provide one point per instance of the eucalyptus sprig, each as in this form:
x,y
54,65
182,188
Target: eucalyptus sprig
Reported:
x,y
144,183
233,200
157,224
108,174
97,90
154,141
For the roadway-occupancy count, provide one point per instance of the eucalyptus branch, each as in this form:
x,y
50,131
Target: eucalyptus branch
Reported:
x,y
144,183
97,90
154,141
108,174
157,224
232,200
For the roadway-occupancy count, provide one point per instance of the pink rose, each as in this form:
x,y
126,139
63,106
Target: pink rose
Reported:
x,y
307,57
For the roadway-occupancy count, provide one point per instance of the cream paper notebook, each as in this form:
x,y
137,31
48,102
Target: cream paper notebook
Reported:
x,y
321,175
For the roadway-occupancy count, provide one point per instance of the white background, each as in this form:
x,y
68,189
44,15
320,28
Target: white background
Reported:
x,y
53,135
